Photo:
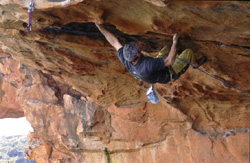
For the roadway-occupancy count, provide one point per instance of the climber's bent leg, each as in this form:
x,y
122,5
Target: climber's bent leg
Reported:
x,y
179,66
164,52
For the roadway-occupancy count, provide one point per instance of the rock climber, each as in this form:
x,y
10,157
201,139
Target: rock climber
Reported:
x,y
162,69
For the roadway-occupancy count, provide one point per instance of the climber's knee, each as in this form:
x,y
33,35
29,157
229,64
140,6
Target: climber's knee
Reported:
x,y
188,55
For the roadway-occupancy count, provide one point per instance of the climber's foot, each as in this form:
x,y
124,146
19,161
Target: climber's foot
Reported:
x,y
200,61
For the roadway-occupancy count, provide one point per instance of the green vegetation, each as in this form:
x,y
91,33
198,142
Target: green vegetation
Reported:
x,y
107,153
12,148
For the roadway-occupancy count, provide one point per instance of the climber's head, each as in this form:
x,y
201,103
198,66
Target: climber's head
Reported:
x,y
131,51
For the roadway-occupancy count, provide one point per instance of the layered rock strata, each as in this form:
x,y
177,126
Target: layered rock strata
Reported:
x,y
85,107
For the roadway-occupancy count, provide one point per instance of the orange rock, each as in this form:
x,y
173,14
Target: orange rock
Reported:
x,y
85,107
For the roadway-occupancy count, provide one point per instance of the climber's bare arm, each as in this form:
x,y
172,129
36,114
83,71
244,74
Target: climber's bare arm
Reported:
x,y
173,52
110,37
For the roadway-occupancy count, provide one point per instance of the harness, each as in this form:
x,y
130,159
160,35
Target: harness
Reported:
x,y
30,11
174,75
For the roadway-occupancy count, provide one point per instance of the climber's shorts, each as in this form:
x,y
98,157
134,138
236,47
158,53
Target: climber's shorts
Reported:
x,y
179,66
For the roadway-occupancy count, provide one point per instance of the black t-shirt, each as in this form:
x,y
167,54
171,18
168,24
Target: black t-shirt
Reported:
x,y
147,69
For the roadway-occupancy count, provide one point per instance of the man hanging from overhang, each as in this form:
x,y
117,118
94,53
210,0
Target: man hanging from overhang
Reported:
x,y
162,69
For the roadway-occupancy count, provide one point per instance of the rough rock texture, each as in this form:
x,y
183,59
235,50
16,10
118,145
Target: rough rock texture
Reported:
x,y
9,81
85,107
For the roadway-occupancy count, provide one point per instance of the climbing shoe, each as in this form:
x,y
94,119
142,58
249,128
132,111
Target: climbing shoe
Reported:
x,y
201,61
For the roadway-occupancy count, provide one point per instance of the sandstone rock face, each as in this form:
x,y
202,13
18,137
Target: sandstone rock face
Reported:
x,y
10,107
84,106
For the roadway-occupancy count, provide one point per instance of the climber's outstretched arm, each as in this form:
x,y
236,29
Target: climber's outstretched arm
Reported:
x,y
173,52
110,37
